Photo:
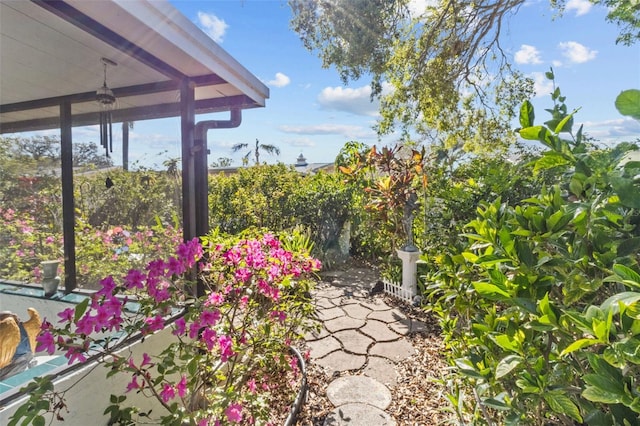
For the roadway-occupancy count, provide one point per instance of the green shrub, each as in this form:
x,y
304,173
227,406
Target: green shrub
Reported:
x,y
539,308
277,197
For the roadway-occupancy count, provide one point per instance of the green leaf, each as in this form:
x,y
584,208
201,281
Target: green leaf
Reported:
x,y
579,344
531,133
627,274
507,364
561,403
627,192
80,309
628,103
491,291
526,114
603,389
508,343
565,124
549,160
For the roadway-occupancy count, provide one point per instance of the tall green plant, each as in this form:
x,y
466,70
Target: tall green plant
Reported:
x,y
539,308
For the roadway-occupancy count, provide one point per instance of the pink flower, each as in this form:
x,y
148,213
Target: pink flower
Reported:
x,y
226,347
180,326
75,354
67,315
234,413
209,318
167,393
146,360
154,324
45,342
214,299
181,387
108,285
251,384
133,384
134,279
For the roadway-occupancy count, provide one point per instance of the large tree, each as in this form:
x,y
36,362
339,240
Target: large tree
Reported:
x,y
440,71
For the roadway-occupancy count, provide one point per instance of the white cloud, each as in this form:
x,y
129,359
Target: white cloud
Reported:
x,y
328,129
541,85
280,80
213,26
417,8
576,52
582,7
528,55
614,130
356,101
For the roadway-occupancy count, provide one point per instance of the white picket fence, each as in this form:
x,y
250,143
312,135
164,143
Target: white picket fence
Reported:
x,y
396,290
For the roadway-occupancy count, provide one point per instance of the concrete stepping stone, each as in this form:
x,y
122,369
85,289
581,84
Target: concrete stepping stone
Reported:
x,y
323,302
376,305
389,316
353,341
358,415
382,370
316,334
341,361
358,389
394,351
378,331
343,323
322,347
331,313
356,310
402,327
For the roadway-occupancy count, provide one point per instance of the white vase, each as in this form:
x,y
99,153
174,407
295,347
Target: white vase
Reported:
x,y
50,278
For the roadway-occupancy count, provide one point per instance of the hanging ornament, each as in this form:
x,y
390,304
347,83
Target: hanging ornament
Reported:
x,y
107,102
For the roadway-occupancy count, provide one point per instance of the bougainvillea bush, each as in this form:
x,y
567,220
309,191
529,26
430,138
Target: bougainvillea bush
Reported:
x,y
230,352
25,242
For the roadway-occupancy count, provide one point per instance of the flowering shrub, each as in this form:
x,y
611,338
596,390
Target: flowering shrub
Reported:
x,y
24,243
230,347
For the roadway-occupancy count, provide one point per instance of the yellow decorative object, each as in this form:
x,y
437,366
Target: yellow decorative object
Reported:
x,y
9,337
10,334
32,327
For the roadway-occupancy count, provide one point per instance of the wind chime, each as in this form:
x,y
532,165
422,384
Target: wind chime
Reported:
x,y
107,102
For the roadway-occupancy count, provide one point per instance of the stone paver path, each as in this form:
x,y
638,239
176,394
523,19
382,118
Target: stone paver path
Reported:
x,y
361,339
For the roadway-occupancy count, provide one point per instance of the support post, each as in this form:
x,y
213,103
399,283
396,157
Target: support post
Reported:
x,y
187,124
68,209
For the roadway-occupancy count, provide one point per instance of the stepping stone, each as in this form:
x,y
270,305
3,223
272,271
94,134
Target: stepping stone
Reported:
x,y
358,415
402,327
353,341
394,351
358,389
323,302
378,331
343,323
331,313
356,311
322,347
341,361
382,370
376,305
388,316
316,334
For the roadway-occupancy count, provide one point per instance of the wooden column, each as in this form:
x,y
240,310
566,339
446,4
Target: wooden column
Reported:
x,y
68,210
187,124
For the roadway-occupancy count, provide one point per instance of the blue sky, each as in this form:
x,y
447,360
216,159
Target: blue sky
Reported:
x,y
310,111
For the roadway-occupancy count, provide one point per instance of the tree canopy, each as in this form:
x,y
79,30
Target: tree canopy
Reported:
x,y
440,71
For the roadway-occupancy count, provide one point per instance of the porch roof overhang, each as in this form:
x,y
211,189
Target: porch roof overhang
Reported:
x,y
51,53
